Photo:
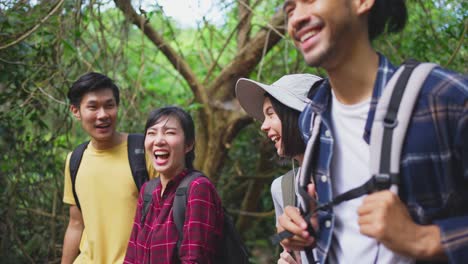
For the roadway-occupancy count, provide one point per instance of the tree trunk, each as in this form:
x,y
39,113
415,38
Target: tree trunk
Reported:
x,y
220,118
261,175
214,137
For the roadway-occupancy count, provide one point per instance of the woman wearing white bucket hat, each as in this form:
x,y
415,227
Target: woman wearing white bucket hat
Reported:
x,y
278,107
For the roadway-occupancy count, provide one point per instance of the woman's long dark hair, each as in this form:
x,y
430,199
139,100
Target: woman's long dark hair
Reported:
x,y
291,139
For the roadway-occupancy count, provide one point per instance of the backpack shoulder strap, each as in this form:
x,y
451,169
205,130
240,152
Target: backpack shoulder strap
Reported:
x,y
306,174
148,197
393,115
75,161
137,159
180,203
287,189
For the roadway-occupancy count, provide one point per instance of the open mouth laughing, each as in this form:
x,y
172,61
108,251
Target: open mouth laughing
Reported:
x,y
103,127
307,35
161,156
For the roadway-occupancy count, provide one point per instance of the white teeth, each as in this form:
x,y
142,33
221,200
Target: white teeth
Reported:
x,y
160,152
309,35
275,139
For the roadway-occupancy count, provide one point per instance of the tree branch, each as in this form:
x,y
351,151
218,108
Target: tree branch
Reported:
x,y
252,214
228,39
248,57
460,43
245,17
179,63
42,213
429,20
233,128
29,32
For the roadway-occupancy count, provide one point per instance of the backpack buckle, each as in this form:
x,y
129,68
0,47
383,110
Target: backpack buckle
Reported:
x,y
388,123
382,181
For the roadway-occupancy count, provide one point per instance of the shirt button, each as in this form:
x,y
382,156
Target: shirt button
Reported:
x,y
323,178
328,224
328,133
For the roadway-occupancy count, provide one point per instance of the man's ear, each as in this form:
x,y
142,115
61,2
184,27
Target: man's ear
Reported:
x,y
363,6
75,111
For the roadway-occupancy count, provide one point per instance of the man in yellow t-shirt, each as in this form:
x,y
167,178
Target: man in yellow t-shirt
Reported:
x,y
99,229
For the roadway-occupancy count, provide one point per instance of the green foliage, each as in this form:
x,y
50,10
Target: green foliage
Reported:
x,y
435,32
36,130
32,140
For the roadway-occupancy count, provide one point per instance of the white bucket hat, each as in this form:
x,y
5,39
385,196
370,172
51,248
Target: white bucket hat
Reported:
x,y
291,90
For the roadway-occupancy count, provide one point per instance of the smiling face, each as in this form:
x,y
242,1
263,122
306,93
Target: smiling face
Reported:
x,y
321,29
272,126
98,111
165,141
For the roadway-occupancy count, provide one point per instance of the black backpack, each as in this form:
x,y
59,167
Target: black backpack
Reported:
x,y
136,158
233,248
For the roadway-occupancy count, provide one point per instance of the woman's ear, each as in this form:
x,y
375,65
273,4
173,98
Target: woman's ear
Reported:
x,y
75,111
188,147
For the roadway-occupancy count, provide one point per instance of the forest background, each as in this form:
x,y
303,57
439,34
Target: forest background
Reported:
x,y
46,44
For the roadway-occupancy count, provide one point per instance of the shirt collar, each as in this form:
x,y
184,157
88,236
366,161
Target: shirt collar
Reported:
x,y
321,101
174,182
384,73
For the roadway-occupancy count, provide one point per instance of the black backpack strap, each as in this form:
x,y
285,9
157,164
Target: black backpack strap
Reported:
x,y
148,197
180,203
137,159
390,120
287,189
75,161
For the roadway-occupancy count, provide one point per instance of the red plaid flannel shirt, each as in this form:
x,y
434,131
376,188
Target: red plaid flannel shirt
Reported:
x,y
155,241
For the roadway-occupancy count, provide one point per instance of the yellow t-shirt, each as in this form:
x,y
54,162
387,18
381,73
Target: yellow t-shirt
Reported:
x,y
108,198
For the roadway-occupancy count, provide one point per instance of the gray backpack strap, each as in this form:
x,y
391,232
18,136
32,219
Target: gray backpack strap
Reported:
x,y
287,189
180,203
306,174
148,197
392,117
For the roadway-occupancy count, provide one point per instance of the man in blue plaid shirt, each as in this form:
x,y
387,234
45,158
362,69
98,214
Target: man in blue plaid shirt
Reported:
x,y
426,220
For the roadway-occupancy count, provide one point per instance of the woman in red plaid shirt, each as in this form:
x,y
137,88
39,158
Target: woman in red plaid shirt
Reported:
x,y
170,140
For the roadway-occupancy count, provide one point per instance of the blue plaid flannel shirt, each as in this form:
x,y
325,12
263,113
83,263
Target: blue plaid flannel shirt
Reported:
x,y
434,160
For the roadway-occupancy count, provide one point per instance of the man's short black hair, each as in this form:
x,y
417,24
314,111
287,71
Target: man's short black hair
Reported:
x,y
387,15
291,139
90,82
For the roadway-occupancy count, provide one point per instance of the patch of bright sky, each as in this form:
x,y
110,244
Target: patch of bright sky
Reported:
x,y
188,13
